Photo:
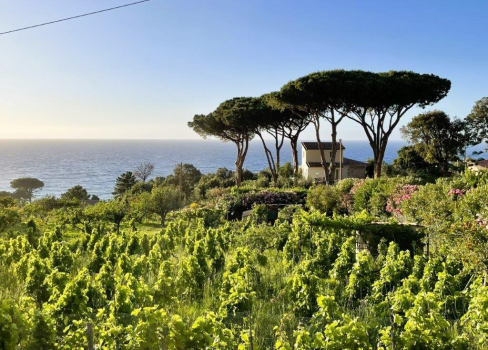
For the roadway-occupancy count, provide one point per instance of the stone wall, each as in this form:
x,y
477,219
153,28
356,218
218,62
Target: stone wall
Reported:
x,y
356,171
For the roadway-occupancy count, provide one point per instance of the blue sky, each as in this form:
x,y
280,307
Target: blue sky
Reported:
x,y
144,71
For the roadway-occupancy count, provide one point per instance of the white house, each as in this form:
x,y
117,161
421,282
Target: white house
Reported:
x,y
312,163
481,165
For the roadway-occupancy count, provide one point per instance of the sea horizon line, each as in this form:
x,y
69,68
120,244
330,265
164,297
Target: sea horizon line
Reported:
x,y
166,139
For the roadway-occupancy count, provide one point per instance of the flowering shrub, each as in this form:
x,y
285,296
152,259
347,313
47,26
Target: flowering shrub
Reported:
x,y
357,185
400,194
266,197
372,194
456,192
237,203
345,203
430,205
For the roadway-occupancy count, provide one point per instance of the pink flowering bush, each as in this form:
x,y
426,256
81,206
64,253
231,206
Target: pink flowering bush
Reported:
x,y
455,192
372,194
346,202
472,207
357,185
400,194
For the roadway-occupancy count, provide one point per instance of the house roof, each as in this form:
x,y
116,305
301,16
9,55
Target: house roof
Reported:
x,y
346,161
315,145
483,163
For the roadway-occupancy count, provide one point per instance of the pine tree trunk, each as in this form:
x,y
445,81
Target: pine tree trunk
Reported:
x,y
294,153
238,174
269,158
379,160
316,123
333,154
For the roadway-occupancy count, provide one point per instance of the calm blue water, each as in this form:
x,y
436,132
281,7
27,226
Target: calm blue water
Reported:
x,y
95,164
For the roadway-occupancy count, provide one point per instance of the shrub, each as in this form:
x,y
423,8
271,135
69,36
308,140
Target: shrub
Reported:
x,y
372,195
216,193
400,194
323,198
429,204
9,217
242,199
6,201
345,204
474,178
345,185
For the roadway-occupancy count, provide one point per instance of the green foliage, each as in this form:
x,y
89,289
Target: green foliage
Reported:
x,y
76,192
475,321
43,334
245,197
9,217
141,187
372,194
286,171
6,200
222,178
323,198
425,328
397,265
345,185
124,183
435,137
36,281
186,177
367,95
13,326
363,274
409,162
303,288
332,329
477,120
163,200
112,211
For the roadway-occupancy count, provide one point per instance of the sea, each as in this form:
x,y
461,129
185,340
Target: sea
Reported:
x,y
95,164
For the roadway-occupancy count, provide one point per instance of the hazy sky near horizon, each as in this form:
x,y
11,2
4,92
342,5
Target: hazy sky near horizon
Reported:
x,y
142,72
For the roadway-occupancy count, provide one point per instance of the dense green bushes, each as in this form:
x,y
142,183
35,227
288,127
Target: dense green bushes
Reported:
x,y
324,198
243,198
383,197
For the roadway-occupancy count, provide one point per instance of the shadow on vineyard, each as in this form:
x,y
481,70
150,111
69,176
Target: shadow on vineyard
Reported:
x,y
389,263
